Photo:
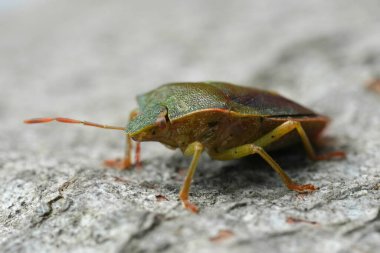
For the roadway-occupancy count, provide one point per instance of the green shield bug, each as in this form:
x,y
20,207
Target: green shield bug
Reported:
x,y
225,120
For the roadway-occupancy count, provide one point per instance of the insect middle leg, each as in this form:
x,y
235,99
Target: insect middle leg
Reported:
x,y
195,149
286,128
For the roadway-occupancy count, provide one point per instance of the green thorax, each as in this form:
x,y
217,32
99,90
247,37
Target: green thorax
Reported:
x,y
180,99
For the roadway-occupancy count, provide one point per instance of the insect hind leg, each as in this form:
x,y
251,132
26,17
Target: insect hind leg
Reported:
x,y
250,149
288,127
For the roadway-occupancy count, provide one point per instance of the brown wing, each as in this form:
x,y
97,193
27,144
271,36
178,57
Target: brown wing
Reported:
x,y
247,100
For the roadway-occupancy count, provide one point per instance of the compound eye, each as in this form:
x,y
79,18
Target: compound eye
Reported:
x,y
163,119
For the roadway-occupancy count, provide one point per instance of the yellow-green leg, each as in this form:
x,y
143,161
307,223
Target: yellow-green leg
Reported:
x,y
272,136
250,149
126,162
286,128
195,149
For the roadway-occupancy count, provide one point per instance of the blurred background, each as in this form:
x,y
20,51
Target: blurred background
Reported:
x,y
89,59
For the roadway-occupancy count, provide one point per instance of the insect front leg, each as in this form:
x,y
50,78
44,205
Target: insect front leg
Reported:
x,y
250,149
126,162
195,149
286,128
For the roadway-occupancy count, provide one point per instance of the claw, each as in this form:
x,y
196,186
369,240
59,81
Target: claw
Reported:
x,y
121,164
330,155
190,206
305,188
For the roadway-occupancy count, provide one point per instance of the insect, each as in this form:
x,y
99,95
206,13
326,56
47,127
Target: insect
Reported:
x,y
225,120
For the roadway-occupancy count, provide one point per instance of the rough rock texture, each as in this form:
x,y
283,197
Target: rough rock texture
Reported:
x,y
88,60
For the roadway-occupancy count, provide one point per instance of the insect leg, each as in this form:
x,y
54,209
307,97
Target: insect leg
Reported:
x,y
138,155
286,128
250,149
127,161
195,149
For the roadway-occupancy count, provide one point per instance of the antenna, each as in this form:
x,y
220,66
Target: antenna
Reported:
x,y
71,121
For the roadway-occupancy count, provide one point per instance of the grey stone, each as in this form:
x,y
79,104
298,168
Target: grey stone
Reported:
x,y
89,59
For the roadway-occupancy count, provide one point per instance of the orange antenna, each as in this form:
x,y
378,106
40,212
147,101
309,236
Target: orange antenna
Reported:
x,y
71,121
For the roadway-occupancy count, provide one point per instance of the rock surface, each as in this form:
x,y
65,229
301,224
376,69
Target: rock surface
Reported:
x,y
88,60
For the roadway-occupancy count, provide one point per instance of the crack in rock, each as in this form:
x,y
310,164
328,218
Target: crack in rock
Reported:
x,y
148,223
365,226
45,209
